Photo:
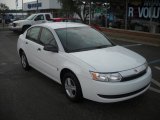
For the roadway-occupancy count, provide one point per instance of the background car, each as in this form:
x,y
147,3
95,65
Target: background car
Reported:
x,y
66,20
22,25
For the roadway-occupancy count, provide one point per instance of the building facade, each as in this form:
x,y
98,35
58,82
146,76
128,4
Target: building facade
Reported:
x,y
52,6
138,15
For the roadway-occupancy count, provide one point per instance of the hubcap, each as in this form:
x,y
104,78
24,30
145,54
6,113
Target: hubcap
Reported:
x,y
70,87
23,59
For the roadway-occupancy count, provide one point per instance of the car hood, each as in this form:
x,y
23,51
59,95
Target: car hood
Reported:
x,y
21,21
111,59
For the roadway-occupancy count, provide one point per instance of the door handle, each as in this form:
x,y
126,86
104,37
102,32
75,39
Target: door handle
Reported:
x,y
39,49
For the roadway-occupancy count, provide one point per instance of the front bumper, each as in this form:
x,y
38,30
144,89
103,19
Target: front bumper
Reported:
x,y
107,92
17,28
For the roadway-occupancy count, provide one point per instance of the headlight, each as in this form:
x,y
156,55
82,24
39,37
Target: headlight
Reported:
x,y
110,77
146,65
10,24
18,24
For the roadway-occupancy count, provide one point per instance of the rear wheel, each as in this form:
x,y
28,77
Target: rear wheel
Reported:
x,y
72,87
24,62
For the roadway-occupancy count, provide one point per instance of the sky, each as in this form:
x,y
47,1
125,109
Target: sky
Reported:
x,y
12,4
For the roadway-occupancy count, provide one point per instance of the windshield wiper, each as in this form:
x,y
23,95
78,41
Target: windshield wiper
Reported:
x,y
90,48
102,46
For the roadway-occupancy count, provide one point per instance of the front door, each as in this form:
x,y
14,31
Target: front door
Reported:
x,y
39,19
50,61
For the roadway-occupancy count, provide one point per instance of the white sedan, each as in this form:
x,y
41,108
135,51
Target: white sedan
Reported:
x,y
84,61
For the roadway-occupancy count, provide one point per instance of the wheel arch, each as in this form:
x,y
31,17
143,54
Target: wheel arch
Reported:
x,y
65,70
20,51
28,25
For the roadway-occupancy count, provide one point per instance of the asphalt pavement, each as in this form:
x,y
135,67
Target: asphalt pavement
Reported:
x,y
33,96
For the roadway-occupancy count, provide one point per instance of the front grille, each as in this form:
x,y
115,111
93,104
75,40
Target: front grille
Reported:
x,y
14,24
132,77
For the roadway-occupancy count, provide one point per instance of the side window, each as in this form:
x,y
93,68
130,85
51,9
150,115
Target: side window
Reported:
x,y
47,37
39,17
33,33
47,17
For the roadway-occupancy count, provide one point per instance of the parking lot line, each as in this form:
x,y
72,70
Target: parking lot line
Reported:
x,y
154,61
3,64
132,45
158,68
155,82
154,90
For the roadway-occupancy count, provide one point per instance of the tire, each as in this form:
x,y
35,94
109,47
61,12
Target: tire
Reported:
x,y
25,28
72,87
24,62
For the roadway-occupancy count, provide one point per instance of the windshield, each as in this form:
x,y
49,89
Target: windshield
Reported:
x,y
31,17
81,39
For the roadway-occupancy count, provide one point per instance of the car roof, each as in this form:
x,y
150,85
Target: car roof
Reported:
x,y
59,25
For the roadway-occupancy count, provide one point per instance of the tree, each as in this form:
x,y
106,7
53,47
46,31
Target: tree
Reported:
x,y
75,6
80,7
3,7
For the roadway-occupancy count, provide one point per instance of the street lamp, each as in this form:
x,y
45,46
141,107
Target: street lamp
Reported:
x,y
22,10
105,4
37,7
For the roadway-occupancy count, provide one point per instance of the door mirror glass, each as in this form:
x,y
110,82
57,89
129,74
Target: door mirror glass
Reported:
x,y
51,48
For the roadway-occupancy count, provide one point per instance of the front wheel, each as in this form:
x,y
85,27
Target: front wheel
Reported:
x,y
24,62
72,87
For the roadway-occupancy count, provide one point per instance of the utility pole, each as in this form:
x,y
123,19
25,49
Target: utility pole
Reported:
x,y
89,12
37,7
126,17
16,7
106,13
22,10
22,5
151,17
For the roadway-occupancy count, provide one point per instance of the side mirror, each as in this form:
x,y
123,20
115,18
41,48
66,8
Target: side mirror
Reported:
x,y
51,48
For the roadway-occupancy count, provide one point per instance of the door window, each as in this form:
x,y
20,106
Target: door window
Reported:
x,y
39,17
33,33
47,37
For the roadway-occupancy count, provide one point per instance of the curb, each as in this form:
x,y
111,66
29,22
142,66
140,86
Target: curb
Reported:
x,y
133,36
132,41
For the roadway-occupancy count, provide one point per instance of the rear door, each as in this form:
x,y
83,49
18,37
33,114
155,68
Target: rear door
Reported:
x,y
32,46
